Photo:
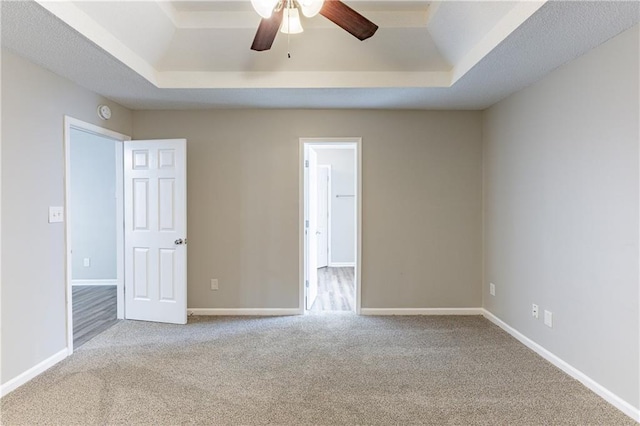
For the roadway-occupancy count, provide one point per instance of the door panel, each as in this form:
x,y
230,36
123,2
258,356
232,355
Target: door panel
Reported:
x,y
312,243
141,273
323,216
167,274
141,204
167,202
155,229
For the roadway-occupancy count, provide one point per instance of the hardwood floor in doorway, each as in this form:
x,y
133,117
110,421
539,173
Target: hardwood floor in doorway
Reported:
x,y
336,290
94,311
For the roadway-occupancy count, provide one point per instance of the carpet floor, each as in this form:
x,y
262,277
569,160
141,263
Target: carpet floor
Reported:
x,y
325,369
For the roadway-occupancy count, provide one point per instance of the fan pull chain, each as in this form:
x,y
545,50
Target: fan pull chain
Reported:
x,y
288,33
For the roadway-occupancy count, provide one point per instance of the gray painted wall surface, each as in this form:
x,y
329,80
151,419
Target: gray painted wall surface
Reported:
x,y
422,203
34,102
93,206
343,210
561,213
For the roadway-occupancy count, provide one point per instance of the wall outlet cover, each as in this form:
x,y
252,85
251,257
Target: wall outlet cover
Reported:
x,y
534,311
56,214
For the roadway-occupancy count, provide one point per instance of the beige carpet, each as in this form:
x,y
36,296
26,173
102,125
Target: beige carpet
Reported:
x,y
331,369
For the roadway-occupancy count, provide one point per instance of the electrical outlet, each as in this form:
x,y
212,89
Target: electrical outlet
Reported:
x,y
534,311
548,318
492,289
214,283
86,262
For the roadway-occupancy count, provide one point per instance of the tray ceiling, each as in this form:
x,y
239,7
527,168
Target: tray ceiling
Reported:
x,y
194,54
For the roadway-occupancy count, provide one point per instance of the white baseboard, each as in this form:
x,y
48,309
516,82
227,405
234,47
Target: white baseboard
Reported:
x,y
342,264
244,311
421,311
37,369
596,387
94,282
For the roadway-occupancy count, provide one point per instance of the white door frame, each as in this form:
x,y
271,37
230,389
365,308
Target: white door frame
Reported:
x,y
73,123
340,143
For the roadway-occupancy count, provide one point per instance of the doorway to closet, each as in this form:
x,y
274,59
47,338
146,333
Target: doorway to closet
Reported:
x,y
331,193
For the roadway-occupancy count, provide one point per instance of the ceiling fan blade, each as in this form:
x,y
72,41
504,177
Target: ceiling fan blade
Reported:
x,y
348,19
267,31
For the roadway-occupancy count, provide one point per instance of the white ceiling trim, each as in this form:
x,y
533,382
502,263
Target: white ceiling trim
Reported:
x,y
168,10
301,80
432,10
89,28
516,17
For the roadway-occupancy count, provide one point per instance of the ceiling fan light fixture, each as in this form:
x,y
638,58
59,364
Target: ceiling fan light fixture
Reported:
x,y
311,8
291,21
264,7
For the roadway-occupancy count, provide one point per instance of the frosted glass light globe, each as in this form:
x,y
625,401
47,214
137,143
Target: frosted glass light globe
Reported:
x,y
311,8
264,7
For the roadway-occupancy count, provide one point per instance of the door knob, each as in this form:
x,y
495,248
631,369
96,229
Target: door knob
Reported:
x,y
179,241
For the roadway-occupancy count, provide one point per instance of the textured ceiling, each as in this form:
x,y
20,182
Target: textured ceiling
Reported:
x,y
555,34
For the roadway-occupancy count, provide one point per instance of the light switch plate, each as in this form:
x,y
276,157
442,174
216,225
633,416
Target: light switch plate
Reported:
x,y
56,214
548,318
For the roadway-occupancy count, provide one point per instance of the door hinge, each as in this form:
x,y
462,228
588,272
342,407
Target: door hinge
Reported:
x,y
306,283
306,163
306,223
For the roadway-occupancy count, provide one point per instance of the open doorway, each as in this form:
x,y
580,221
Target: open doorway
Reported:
x,y
125,204
94,232
331,225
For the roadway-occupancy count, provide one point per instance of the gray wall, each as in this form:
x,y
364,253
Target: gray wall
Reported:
x,y
422,220
561,212
93,206
343,210
34,102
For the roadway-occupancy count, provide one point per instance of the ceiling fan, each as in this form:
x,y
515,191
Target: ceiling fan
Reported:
x,y
273,12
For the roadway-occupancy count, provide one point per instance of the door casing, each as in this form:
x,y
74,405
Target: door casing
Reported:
x,y
119,139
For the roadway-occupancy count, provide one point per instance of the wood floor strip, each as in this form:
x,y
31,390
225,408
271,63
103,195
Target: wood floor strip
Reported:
x,y
336,289
94,311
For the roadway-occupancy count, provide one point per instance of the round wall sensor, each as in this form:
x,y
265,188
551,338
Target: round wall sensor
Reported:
x,y
104,112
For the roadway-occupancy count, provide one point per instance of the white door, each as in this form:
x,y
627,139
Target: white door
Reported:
x,y
155,185
312,227
323,216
